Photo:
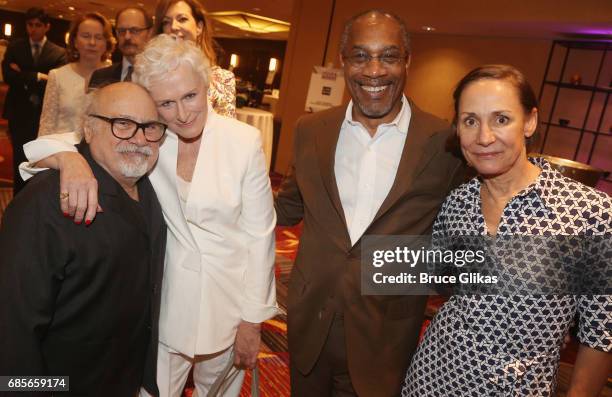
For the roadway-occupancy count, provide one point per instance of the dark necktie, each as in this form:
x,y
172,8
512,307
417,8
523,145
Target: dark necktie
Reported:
x,y
128,76
36,53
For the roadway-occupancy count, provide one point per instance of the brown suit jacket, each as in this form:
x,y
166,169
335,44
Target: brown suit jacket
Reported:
x,y
381,331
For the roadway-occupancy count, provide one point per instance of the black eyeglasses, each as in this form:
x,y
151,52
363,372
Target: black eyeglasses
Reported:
x,y
133,30
123,128
361,58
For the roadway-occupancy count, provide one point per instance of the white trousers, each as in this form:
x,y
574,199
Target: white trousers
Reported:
x,y
173,369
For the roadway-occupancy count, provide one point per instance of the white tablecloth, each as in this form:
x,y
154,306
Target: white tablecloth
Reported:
x,y
273,102
264,122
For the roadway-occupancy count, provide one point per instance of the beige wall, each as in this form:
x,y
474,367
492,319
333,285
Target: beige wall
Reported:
x,y
438,62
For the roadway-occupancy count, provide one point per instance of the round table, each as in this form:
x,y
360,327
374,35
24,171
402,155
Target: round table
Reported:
x,y
264,122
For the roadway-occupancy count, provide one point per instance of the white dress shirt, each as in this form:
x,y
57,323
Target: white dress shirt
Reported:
x,y
41,44
365,166
125,64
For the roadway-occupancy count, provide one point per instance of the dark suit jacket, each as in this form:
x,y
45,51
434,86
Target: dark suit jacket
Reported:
x,y
105,76
23,85
381,331
82,301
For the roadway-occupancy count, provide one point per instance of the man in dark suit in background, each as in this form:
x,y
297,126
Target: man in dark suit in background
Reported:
x,y
133,29
378,167
25,66
84,302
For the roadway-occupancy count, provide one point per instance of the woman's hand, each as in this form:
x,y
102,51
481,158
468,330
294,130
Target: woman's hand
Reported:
x,y
246,347
78,188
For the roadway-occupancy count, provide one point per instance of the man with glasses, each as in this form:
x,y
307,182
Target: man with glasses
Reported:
x,y
84,303
25,66
133,30
377,166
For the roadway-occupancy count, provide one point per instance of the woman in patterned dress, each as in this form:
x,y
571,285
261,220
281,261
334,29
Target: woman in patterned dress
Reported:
x,y
187,19
494,345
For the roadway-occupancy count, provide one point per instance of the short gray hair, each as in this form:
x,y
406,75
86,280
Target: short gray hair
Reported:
x,y
163,54
348,26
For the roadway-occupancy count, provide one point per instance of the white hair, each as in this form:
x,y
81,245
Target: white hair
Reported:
x,y
164,54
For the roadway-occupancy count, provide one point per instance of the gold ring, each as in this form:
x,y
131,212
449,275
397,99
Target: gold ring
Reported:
x,y
64,195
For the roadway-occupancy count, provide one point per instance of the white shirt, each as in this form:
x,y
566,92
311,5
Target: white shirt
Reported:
x,y
40,44
365,166
125,64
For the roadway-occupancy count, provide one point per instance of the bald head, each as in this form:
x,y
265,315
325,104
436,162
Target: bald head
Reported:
x,y
118,96
118,110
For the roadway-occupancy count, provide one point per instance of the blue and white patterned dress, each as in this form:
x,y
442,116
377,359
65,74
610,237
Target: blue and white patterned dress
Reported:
x,y
509,345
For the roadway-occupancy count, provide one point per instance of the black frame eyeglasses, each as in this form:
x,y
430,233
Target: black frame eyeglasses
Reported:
x,y
125,129
133,30
386,59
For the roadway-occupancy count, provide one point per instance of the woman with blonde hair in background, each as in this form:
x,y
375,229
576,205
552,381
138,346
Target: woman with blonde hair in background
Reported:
x,y
90,43
187,19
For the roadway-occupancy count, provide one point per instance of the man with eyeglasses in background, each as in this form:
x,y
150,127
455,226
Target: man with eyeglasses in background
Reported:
x,y
377,166
25,67
133,30
85,303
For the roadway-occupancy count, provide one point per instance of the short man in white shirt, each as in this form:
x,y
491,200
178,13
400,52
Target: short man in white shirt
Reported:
x,y
377,166
133,28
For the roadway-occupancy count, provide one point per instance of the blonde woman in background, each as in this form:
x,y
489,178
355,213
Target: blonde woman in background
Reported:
x,y
90,44
187,20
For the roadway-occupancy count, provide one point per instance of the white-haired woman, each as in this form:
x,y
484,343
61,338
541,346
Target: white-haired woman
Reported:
x,y
212,183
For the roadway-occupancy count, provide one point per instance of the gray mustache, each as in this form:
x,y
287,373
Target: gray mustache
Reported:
x,y
130,148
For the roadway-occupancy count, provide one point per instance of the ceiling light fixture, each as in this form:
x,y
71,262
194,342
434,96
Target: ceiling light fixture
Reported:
x,y
71,8
250,22
428,28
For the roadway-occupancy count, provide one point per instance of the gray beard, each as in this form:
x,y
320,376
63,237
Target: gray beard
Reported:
x,y
139,165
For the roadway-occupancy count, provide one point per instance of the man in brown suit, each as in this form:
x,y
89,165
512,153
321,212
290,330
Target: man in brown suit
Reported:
x,y
377,167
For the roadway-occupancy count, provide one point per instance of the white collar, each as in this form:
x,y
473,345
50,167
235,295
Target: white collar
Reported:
x,y
40,43
401,121
125,64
